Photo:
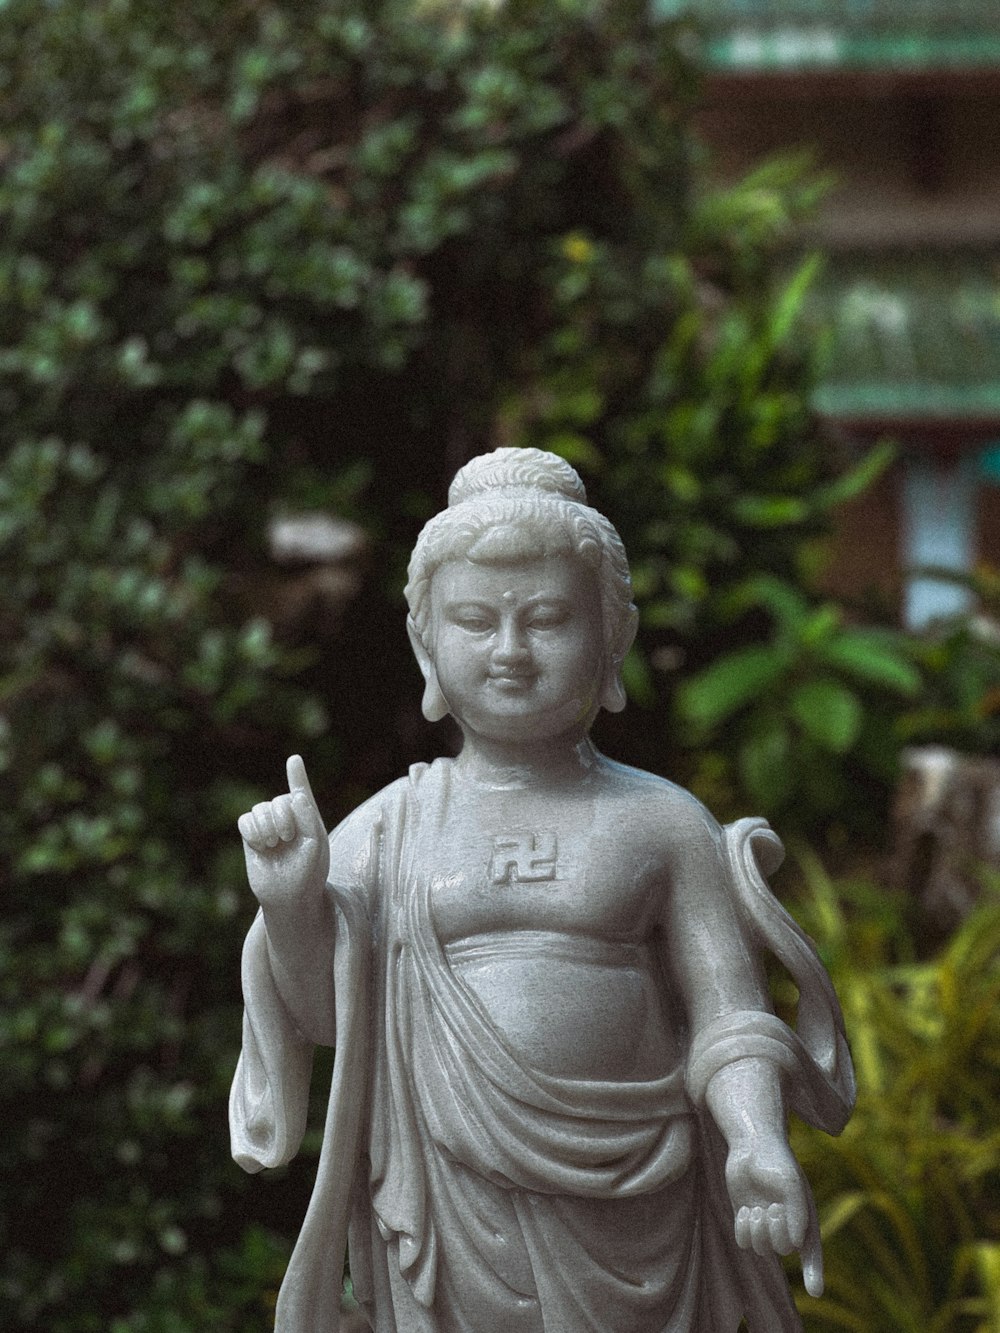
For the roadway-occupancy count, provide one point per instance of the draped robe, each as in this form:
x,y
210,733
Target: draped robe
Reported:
x,y
482,1194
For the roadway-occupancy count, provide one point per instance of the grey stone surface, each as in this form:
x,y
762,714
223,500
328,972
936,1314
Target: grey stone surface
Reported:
x,y
560,1092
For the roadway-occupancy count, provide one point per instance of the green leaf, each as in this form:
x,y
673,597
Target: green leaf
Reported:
x,y
765,767
822,623
576,449
876,656
790,300
770,511
828,712
859,478
783,599
729,684
638,679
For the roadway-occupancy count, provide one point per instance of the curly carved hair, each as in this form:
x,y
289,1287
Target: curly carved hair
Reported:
x,y
524,504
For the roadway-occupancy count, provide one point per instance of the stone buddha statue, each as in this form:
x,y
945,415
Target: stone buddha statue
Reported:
x,y
560,1092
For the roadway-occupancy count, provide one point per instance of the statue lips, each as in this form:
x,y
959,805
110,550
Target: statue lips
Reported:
x,y
512,682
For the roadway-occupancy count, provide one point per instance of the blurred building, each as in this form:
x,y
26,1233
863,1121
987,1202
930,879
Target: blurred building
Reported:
x,y
901,100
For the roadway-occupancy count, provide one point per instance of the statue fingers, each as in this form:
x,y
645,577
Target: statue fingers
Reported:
x,y
778,1229
284,818
752,1230
264,818
797,1215
307,814
298,779
760,1236
812,1251
250,833
307,817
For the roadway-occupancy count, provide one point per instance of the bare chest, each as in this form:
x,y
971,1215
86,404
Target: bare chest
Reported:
x,y
517,865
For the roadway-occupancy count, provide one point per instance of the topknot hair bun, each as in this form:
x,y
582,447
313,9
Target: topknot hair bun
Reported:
x,y
516,469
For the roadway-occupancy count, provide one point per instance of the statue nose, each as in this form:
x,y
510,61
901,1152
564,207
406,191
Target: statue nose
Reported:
x,y
510,647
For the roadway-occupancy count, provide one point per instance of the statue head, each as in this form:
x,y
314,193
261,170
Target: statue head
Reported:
x,y
513,506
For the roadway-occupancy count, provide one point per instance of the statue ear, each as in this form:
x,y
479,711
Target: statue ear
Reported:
x,y
613,697
613,692
433,705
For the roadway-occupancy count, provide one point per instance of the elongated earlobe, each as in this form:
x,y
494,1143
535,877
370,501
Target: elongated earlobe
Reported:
x,y
434,705
613,696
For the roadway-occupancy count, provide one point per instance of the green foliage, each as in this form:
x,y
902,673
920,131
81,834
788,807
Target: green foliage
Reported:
x,y
797,708
694,431
252,257
960,662
908,1194
131,698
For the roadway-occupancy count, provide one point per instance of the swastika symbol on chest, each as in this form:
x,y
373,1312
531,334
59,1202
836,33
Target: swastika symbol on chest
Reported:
x,y
520,858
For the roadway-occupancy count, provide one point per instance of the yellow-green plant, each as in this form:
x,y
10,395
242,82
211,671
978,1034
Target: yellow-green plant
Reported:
x,y
908,1196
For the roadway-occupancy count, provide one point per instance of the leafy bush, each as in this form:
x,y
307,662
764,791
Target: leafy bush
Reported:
x,y
133,702
960,662
252,257
908,1195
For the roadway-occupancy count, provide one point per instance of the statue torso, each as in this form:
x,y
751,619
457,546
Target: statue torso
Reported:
x,y
548,905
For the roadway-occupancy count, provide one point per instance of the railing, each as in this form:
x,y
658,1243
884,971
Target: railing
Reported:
x,y
911,336
783,34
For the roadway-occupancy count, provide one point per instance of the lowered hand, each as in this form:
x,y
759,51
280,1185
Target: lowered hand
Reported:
x,y
774,1208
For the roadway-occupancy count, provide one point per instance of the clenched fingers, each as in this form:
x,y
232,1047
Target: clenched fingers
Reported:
x,y
284,818
768,1230
269,823
752,1231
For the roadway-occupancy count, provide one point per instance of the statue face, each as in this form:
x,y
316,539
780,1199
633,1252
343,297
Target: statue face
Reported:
x,y
518,647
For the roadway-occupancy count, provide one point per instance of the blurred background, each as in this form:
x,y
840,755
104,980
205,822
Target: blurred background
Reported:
x,y
269,274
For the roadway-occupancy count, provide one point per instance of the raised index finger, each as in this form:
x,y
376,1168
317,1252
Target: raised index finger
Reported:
x,y
298,780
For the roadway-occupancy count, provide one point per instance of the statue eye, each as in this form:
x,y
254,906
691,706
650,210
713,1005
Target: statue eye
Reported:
x,y
549,617
473,622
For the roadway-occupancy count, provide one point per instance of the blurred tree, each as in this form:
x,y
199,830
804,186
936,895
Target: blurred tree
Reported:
x,y
254,259
694,430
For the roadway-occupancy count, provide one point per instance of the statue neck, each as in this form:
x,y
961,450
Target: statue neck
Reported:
x,y
504,765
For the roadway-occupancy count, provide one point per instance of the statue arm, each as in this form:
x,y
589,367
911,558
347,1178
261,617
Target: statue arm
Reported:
x,y
709,951
300,946
739,1059
295,956
292,864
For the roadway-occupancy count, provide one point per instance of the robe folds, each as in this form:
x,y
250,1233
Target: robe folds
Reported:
x,y
479,1194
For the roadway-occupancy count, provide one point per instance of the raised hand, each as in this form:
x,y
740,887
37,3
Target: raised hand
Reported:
x,y
285,843
774,1207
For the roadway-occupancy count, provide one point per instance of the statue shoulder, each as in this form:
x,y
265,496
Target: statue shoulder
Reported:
x,y
663,814
352,841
